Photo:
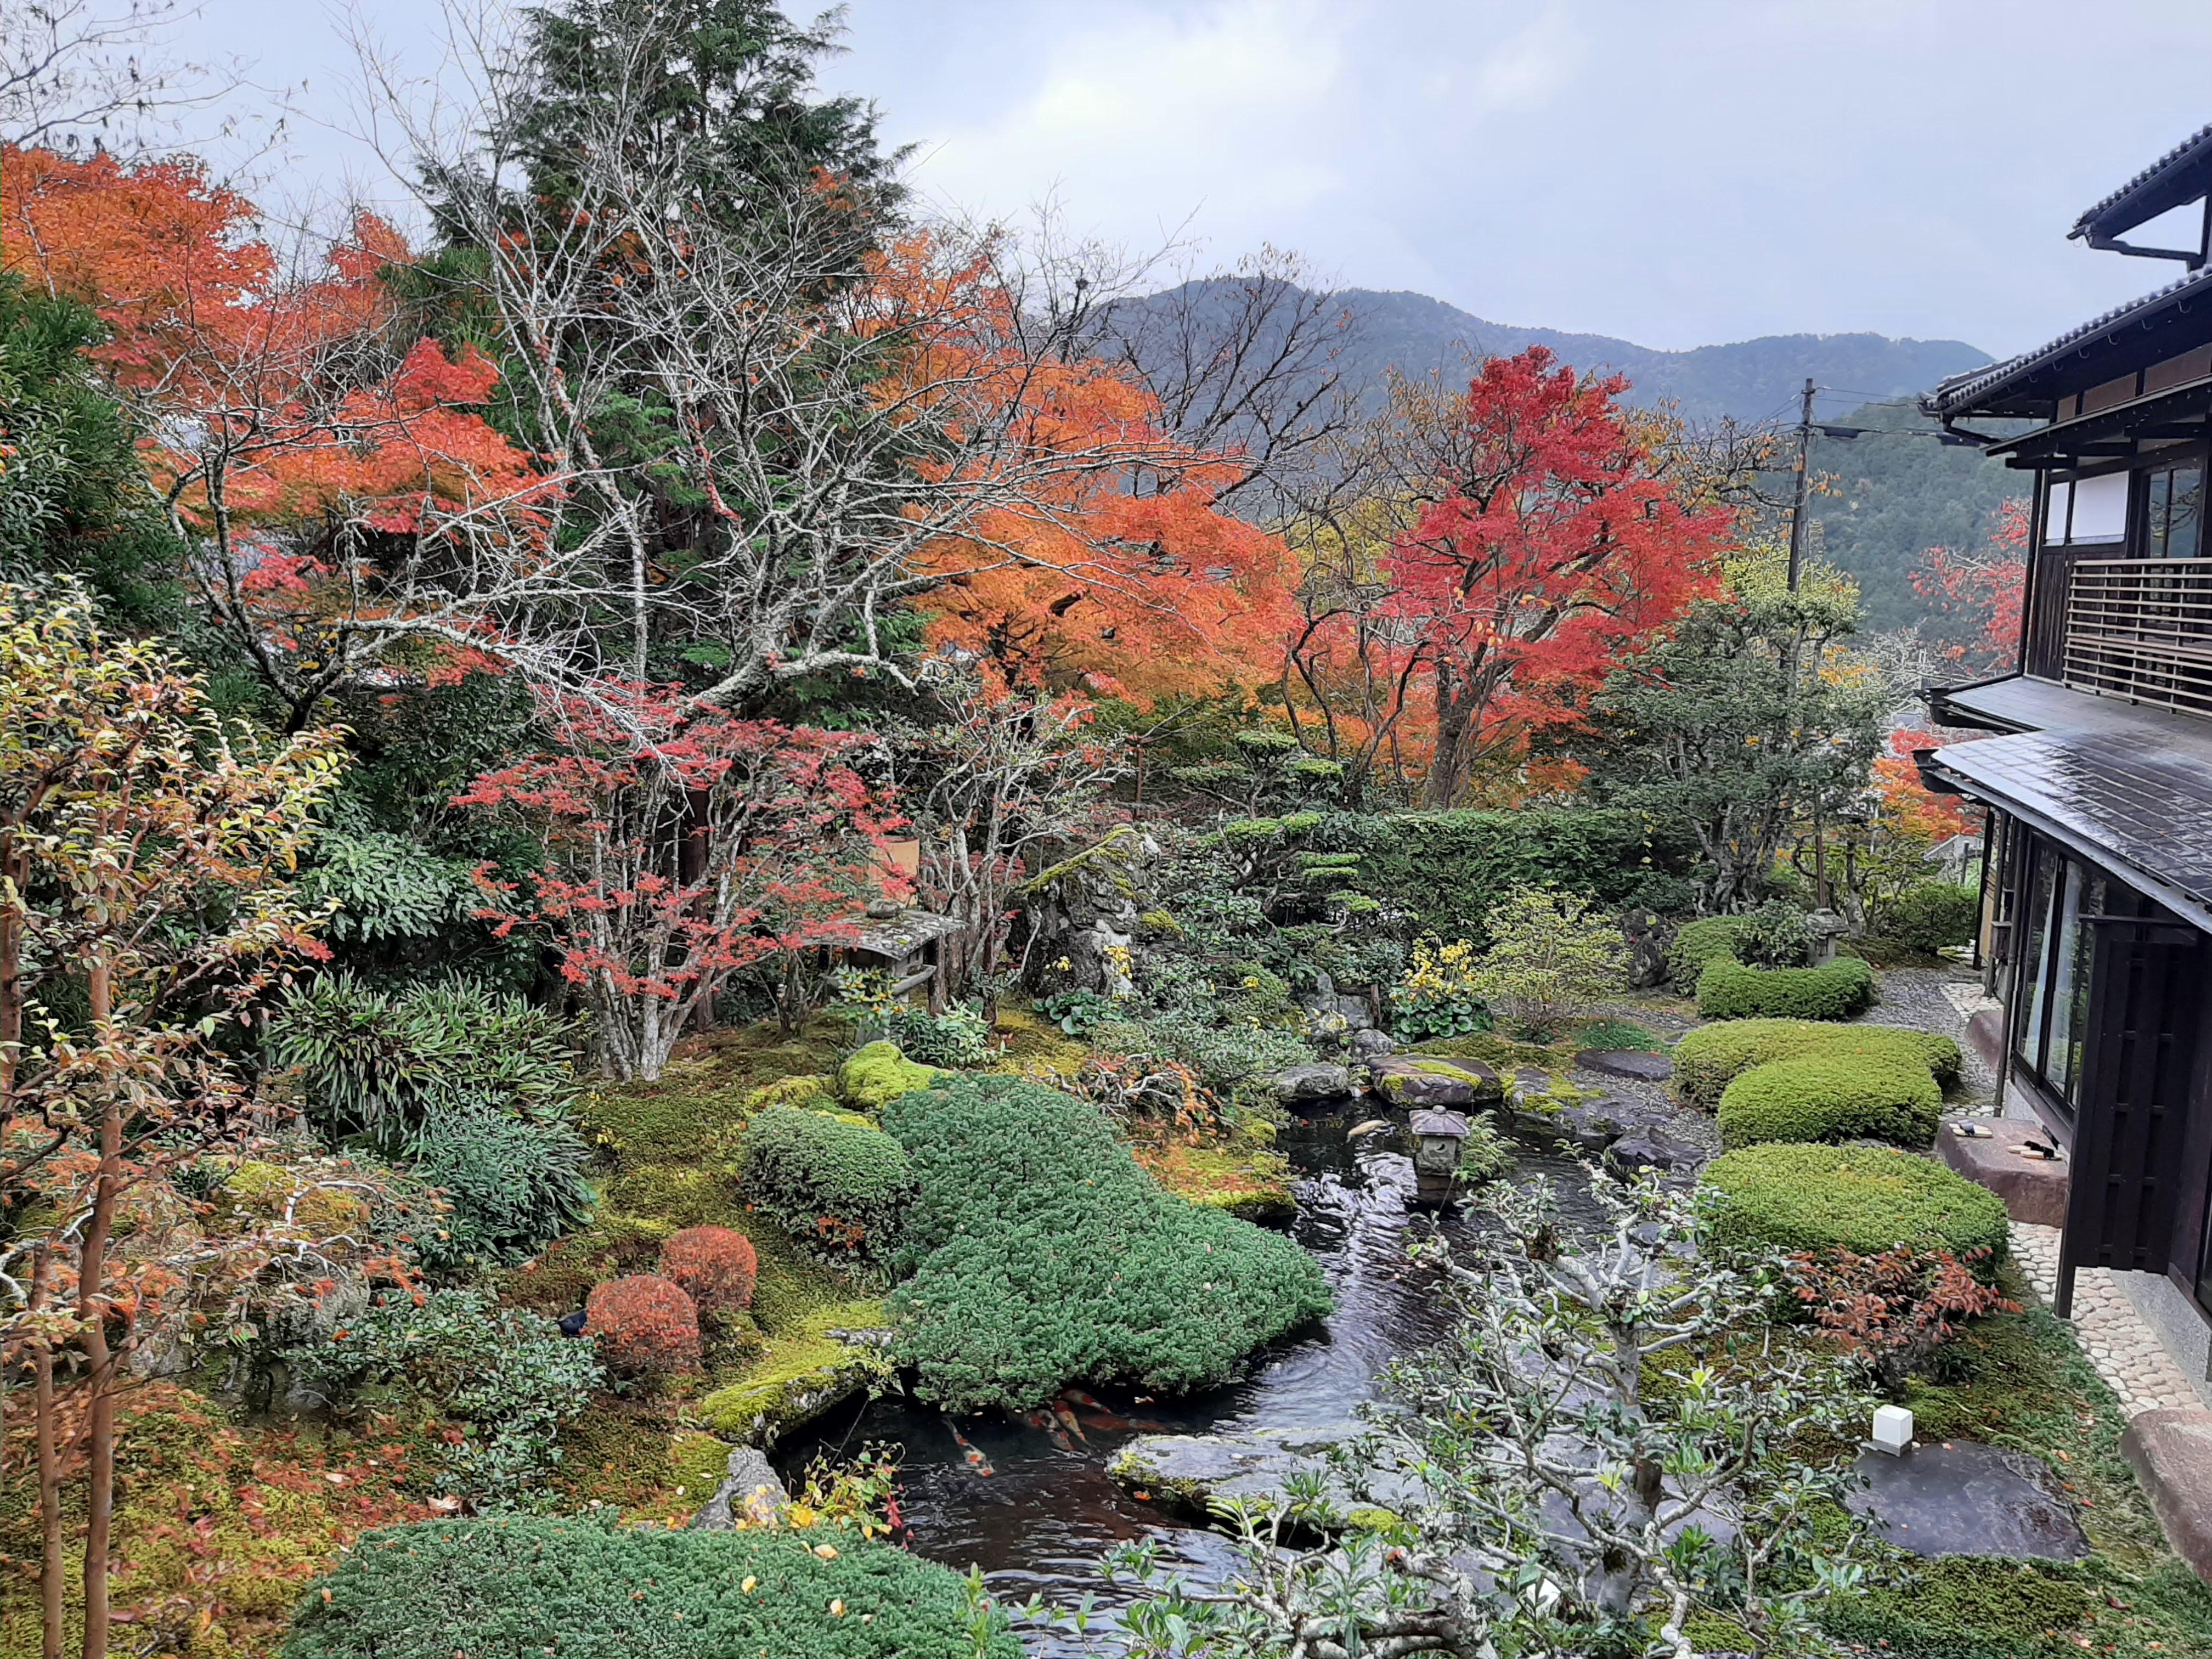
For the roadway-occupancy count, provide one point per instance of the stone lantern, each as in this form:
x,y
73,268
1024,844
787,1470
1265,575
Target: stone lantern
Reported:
x,y
1437,1139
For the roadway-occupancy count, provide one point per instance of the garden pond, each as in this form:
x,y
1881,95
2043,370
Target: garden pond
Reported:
x,y
1029,1503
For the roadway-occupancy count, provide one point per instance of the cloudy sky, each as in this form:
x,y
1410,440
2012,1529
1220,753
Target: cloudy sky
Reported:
x,y
1672,171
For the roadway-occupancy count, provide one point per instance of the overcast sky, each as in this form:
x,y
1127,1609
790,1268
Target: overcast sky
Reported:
x,y
1675,172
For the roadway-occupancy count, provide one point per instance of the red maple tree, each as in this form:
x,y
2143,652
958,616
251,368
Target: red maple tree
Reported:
x,y
682,844
1974,599
1553,543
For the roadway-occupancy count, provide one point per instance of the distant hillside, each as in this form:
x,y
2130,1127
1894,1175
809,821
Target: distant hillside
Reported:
x,y
1752,379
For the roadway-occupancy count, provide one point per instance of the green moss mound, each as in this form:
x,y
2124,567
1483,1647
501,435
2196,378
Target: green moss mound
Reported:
x,y
1835,990
835,1183
1709,939
1044,1255
1863,1198
1966,1607
1708,1059
517,1584
1823,1097
874,1076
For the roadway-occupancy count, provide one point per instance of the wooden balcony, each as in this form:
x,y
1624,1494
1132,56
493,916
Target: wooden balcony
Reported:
x,y
2141,629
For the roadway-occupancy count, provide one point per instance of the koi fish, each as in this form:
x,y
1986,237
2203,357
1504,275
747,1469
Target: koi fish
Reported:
x,y
1077,1397
976,1460
1049,1423
1067,1422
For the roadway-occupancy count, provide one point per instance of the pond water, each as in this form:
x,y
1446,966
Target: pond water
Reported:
x,y
1040,1520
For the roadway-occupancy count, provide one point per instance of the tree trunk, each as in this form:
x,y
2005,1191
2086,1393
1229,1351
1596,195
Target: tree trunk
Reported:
x,y
51,1566
1445,769
92,1274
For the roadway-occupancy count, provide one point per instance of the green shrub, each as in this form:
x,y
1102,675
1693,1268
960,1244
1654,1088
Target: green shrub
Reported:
x,y
1930,916
515,1185
1727,990
1708,1058
1825,1097
878,1073
1710,939
1861,1198
838,1186
1224,1053
955,1038
1773,936
511,1585
1044,1255
1551,958
374,1064
506,1378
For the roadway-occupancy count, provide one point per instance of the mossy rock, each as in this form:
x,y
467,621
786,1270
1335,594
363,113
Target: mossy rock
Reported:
x,y
875,1075
799,1377
267,1189
676,1194
1965,1607
1248,1182
807,1090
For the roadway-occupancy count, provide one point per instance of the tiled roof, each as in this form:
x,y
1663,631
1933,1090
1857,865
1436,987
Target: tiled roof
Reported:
x,y
1960,390
2141,198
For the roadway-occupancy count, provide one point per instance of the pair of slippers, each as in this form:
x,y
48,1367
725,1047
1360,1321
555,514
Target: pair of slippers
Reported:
x,y
2040,1150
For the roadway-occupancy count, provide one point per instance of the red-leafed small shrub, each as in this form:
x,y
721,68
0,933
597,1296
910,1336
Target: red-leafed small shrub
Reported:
x,y
716,1266
1891,1312
644,1325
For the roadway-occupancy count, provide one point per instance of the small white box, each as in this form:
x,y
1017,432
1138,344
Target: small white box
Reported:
x,y
1892,1429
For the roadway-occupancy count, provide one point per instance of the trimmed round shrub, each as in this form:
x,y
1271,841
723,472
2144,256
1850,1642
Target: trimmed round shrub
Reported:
x,y
1697,943
1861,1198
1824,1096
590,1589
1043,1255
1773,936
837,1184
1931,916
645,1325
1727,990
1708,1058
715,1266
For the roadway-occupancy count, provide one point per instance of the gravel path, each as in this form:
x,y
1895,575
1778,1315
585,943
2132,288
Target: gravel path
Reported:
x,y
1915,998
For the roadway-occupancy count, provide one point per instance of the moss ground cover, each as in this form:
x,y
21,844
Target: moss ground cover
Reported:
x,y
1708,1059
1862,1199
515,1585
1828,1097
1043,1254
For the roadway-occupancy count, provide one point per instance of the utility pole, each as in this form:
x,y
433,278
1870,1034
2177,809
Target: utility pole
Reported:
x,y
1804,479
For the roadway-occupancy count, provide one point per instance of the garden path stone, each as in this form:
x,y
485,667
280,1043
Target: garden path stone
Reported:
x,y
2171,1451
1192,1475
1955,1497
1627,1063
2034,1190
1427,1080
1655,1149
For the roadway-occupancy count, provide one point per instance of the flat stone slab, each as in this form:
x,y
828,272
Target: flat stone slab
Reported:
x,y
1654,1149
1955,1497
2034,1190
1593,1125
1627,1062
1429,1080
1196,1474
2171,1451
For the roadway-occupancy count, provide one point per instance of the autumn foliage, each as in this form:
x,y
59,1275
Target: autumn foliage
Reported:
x,y
645,1325
1891,1311
715,1266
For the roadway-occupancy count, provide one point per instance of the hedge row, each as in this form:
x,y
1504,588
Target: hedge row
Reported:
x,y
1862,1199
1044,1255
1835,990
1831,1096
1708,1058
514,1585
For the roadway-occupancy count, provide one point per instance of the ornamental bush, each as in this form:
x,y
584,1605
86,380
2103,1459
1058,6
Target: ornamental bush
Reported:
x,y
1439,995
510,1585
1550,959
644,1325
1930,916
1043,1255
1838,990
837,1184
514,1185
506,1378
1708,1059
1697,943
1831,1096
1865,1199
959,1037
715,1266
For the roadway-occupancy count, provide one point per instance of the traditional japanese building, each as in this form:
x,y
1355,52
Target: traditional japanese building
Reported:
x,y
2098,905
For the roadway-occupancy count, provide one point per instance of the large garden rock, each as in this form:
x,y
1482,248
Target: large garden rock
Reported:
x,y
1429,1080
2033,1189
751,1491
1592,1125
1955,1497
1655,1149
1197,1475
1303,1083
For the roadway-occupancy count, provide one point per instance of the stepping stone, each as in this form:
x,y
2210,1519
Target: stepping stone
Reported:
x,y
1627,1062
2033,1189
1654,1149
1955,1498
1303,1083
1429,1080
1193,1474
2171,1451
